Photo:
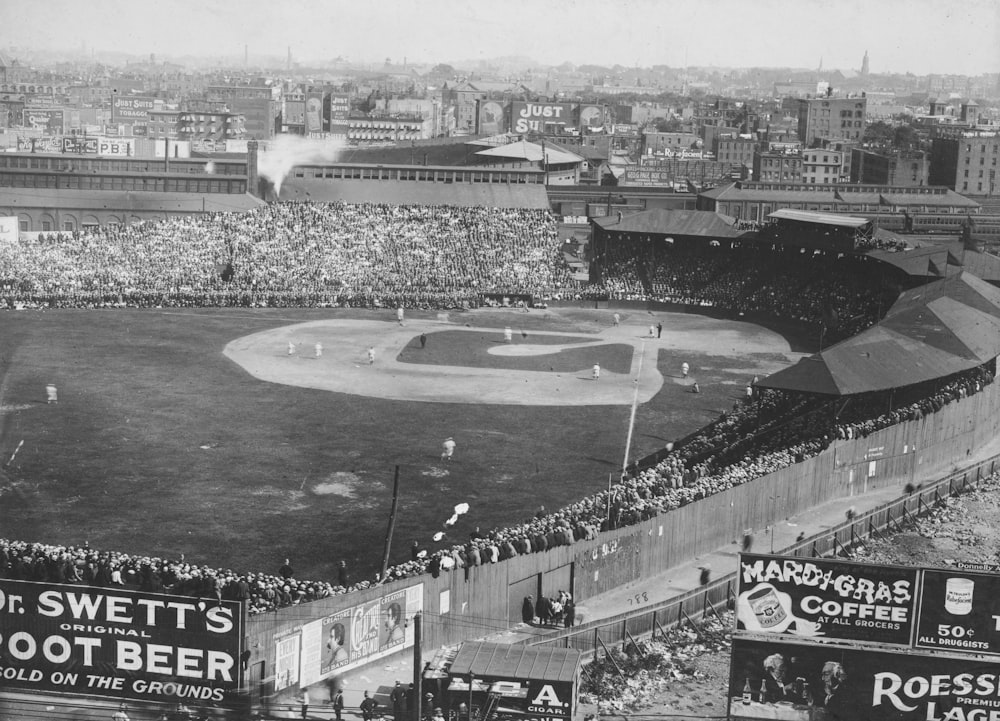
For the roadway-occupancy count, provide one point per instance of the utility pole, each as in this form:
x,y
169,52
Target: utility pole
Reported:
x,y
392,524
418,666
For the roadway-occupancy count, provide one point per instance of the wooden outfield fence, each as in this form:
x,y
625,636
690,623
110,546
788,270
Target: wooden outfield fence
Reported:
x,y
694,607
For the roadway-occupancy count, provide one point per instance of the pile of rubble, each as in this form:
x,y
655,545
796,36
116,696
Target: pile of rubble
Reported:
x,y
631,679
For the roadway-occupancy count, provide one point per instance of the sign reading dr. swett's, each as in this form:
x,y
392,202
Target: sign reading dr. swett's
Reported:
x,y
810,597
117,642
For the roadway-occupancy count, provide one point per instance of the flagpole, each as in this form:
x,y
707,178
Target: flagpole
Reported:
x,y
635,403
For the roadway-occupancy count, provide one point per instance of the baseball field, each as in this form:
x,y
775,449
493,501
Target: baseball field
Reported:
x,y
227,436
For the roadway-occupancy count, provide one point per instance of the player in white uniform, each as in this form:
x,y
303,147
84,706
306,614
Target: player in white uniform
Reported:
x,y
597,371
448,448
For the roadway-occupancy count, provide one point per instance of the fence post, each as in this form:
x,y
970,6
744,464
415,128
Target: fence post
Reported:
x,y
597,640
625,634
815,553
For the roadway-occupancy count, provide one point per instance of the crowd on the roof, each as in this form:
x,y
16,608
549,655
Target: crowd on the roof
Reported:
x,y
372,255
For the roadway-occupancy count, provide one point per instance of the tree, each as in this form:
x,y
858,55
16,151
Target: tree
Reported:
x,y
904,137
667,125
443,69
879,134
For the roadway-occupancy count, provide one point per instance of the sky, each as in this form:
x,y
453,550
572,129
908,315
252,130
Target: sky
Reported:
x,y
917,36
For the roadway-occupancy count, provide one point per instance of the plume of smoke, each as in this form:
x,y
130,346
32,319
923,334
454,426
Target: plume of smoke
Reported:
x,y
286,151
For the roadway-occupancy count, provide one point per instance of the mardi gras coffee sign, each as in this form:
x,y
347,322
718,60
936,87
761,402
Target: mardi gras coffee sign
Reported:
x,y
814,597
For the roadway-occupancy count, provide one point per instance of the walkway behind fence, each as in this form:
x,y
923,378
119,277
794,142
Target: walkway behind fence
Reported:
x,y
830,539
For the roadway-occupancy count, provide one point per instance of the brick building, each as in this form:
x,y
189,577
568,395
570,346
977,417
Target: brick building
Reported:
x,y
828,118
966,162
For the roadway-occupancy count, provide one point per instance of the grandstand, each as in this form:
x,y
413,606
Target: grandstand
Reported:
x,y
909,354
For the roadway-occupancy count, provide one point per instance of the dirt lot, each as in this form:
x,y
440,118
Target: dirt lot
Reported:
x,y
687,676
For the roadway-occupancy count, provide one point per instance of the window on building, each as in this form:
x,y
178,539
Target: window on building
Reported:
x,y
23,225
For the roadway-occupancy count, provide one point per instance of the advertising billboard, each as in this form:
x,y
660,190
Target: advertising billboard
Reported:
x,y
340,107
76,144
539,117
46,120
637,175
314,112
491,117
8,231
533,699
774,680
133,109
357,635
959,612
39,145
591,116
118,147
117,642
824,598
286,660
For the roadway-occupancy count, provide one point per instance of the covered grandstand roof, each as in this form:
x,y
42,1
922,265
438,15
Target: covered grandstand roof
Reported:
x,y
938,329
806,216
84,200
940,259
523,150
705,223
840,194
402,192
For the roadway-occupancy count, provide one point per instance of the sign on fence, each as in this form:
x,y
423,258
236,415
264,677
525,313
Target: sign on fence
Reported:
x,y
959,612
825,598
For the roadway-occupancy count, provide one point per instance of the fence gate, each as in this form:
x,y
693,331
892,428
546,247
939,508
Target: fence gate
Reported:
x,y
530,586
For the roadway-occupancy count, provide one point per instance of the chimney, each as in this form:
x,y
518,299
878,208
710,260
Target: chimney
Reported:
x,y
253,182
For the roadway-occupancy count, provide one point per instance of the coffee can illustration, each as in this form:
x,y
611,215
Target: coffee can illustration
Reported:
x,y
767,607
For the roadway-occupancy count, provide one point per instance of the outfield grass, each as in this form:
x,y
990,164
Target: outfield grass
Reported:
x,y
160,445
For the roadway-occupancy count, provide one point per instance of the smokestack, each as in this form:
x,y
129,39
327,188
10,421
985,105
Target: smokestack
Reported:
x,y
253,178
246,56
289,57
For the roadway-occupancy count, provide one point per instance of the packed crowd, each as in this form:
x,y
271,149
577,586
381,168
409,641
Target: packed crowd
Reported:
x,y
293,254
301,254
839,291
765,433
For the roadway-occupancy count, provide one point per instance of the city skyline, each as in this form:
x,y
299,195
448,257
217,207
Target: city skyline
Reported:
x,y
916,36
